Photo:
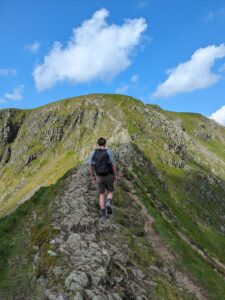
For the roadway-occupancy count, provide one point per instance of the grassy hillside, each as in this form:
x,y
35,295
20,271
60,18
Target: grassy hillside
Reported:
x,y
178,170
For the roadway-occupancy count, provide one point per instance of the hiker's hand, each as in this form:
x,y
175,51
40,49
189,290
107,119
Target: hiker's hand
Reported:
x,y
115,178
93,179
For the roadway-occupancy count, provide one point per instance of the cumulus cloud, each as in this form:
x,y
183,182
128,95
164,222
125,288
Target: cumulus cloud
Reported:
x,y
96,50
219,115
193,74
7,72
34,47
17,94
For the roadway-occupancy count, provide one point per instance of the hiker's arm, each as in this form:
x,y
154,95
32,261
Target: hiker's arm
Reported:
x,y
91,167
92,173
114,171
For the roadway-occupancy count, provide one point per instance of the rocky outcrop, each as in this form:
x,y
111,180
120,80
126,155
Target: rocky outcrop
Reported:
x,y
96,264
202,132
10,123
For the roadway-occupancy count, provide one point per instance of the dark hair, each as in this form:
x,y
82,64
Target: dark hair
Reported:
x,y
101,141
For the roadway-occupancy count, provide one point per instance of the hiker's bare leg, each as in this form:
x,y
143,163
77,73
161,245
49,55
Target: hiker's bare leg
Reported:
x,y
102,200
110,195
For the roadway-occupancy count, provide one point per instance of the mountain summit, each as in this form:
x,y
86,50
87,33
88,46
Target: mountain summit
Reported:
x,y
166,239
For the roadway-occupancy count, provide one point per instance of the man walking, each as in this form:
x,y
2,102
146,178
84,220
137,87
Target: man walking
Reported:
x,y
102,164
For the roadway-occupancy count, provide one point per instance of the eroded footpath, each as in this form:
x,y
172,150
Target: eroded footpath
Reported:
x,y
117,259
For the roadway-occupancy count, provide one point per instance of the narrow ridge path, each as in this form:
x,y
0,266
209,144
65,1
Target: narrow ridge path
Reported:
x,y
95,264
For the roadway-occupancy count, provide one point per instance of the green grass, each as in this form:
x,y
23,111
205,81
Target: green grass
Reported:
x,y
203,273
166,291
139,249
216,147
189,208
200,270
51,167
19,234
190,120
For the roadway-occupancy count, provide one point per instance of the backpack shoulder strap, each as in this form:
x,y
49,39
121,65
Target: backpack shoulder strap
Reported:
x,y
94,152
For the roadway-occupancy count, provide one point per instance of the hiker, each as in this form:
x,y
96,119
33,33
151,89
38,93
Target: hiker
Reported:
x,y
103,171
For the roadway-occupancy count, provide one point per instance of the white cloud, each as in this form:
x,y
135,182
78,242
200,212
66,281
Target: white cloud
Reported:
x,y
122,89
34,47
219,115
193,74
17,94
96,50
7,72
134,78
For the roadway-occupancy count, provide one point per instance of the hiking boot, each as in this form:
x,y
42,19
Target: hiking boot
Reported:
x,y
109,206
103,214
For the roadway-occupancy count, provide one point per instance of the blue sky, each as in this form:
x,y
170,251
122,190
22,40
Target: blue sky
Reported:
x,y
170,53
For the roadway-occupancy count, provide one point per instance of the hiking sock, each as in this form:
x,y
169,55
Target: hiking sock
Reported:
x,y
109,205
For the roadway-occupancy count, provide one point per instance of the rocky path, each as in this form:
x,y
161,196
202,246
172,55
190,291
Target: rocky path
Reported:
x,y
95,264
94,258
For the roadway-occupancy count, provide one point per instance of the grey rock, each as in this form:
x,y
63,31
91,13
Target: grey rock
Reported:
x,y
137,273
155,269
74,243
120,258
118,279
98,277
76,280
50,295
52,253
150,283
222,228
99,297
142,297
41,281
57,270
114,296
90,237
78,296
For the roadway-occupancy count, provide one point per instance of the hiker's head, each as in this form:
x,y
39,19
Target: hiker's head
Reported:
x,y
101,142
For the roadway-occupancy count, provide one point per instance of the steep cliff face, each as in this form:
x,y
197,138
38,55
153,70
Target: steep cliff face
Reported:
x,y
10,122
168,226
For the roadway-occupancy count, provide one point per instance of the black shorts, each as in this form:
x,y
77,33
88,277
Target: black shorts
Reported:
x,y
105,183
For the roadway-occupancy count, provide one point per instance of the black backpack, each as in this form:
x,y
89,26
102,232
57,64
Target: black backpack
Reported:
x,y
101,162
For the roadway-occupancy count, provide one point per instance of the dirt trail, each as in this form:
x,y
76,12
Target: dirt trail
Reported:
x,y
215,263
182,279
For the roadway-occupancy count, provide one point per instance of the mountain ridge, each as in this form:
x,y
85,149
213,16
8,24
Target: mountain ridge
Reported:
x,y
172,162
